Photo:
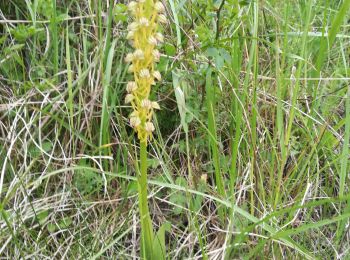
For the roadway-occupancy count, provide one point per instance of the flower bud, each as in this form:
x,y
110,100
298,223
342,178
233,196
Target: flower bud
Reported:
x,y
135,122
129,98
159,37
130,35
146,104
129,58
162,18
133,26
159,7
132,6
144,73
131,87
155,105
152,40
144,22
156,55
157,75
134,114
139,55
131,69
149,127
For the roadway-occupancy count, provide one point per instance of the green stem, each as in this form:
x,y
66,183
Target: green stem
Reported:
x,y
146,223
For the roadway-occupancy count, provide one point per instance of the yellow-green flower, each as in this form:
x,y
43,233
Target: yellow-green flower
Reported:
x,y
144,37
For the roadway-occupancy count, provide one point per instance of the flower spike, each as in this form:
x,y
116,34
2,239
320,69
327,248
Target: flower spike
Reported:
x,y
144,36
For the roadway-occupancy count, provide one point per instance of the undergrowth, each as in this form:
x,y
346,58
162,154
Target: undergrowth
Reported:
x,y
250,155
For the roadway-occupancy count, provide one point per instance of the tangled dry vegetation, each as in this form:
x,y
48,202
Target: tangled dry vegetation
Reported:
x,y
250,155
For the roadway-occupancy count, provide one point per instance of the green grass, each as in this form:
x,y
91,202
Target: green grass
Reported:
x,y
251,153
